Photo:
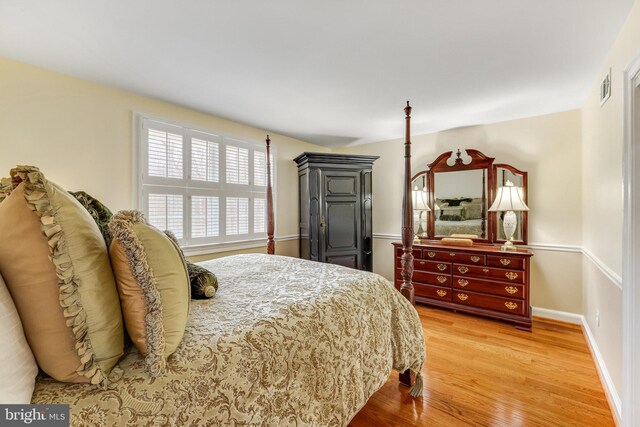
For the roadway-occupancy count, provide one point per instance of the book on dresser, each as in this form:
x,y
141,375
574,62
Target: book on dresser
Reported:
x,y
480,279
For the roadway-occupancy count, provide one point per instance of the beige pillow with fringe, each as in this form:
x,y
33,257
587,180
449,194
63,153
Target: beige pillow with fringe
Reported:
x,y
153,283
56,267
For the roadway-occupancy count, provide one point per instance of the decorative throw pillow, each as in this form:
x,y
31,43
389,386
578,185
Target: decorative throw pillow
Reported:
x,y
99,212
153,284
18,368
204,284
56,267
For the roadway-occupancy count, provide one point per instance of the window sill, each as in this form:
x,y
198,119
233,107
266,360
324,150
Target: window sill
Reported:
x,y
231,246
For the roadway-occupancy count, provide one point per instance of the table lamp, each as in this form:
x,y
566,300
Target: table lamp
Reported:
x,y
509,200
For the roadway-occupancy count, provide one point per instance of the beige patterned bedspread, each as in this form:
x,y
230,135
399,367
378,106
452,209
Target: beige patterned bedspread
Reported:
x,y
284,342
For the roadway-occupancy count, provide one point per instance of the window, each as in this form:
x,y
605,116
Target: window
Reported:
x,y
204,187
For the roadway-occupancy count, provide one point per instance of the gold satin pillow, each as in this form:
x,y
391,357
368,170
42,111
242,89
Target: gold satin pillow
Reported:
x,y
153,283
56,267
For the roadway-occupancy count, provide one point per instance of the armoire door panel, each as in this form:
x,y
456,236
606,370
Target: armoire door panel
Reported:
x,y
342,225
350,261
341,185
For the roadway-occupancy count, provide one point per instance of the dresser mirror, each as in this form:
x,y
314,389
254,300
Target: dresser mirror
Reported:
x,y
453,195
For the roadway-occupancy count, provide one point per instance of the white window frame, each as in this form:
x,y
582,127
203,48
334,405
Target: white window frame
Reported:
x,y
143,185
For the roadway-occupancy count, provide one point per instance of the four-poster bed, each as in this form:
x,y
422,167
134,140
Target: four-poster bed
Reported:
x,y
284,341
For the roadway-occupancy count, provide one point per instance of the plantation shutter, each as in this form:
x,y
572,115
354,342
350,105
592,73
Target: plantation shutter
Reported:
x,y
165,212
203,187
205,160
259,215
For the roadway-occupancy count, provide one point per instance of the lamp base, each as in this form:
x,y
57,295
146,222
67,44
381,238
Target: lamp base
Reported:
x,y
508,246
509,222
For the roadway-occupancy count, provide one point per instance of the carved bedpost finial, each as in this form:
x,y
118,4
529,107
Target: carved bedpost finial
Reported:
x,y
271,244
406,260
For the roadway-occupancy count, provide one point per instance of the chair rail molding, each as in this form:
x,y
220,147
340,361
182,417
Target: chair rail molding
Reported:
x,y
631,247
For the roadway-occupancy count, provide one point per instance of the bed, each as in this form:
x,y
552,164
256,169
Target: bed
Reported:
x,y
284,342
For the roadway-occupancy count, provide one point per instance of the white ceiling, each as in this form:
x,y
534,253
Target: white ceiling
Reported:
x,y
332,72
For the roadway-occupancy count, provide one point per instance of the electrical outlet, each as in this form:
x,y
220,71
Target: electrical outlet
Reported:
x,y
598,318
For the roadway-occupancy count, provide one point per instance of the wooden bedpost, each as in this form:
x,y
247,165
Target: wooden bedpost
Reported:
x,y
406,288
271,244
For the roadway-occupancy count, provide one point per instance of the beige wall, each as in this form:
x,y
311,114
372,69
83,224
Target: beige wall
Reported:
x,y
603,138
80,135
548,147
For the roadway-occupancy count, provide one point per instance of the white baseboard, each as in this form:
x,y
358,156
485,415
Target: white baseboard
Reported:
x,y
562,316
605,377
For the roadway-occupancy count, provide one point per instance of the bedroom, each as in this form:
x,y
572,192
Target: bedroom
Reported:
x,y
76,80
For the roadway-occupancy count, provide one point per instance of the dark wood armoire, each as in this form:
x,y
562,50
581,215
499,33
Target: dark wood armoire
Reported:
x,y
335,209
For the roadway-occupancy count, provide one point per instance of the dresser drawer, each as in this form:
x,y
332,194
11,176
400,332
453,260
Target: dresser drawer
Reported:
x,y
473,259
506,305
427,278
433,266
511,290
433,292
417,253
515,263
431,255
501,274
424,265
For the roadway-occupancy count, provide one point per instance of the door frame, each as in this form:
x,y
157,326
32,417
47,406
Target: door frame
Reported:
x,y
631,248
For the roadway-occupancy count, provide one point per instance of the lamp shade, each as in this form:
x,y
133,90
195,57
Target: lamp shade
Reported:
x,y
508,198
420,199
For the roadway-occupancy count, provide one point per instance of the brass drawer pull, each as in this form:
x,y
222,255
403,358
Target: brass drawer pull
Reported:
x,y
463,297
505,261
442,267
511,289
485,270
475,258
463,282
452,254
441,293
442,279
463,269
511,275
511,305
421,262
431,254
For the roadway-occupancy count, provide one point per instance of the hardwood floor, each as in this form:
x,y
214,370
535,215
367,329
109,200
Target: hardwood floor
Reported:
x,y
483,372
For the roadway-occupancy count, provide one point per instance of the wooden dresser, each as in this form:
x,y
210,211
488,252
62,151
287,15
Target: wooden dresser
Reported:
x,y
480,279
